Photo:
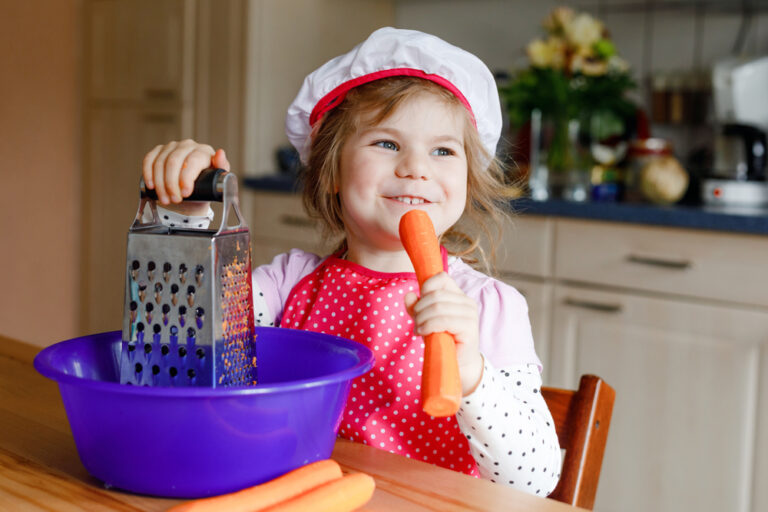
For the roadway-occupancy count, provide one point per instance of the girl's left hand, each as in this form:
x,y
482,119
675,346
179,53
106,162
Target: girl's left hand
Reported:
x,y
444,307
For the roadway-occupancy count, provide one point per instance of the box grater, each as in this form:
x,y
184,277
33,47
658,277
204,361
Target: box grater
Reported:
x,y
188,312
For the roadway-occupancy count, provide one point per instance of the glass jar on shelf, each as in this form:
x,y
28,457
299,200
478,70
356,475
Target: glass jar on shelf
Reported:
x,y
641,152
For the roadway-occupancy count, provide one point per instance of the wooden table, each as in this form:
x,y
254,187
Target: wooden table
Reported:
x,y
40,468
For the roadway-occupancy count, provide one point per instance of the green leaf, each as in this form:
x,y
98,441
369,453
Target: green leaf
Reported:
x,y
604,48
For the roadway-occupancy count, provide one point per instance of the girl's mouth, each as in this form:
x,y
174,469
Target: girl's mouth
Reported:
x,y
410,200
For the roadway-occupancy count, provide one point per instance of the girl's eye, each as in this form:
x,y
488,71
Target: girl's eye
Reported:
x,y
386,144
443,152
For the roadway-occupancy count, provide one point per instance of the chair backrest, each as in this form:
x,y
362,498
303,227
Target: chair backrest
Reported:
x,y
582,419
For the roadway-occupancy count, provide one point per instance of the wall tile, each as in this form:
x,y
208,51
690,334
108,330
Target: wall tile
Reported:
x,y
719,35
760,29
672,42
628,34
494,30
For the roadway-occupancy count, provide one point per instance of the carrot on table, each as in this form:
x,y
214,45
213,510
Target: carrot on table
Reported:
x,y
269,493
440,382
345,494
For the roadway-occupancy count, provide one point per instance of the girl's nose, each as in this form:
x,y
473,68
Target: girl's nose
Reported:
x,y
412,165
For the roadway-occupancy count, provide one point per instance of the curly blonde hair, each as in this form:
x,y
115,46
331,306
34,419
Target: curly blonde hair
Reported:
x,y
487,189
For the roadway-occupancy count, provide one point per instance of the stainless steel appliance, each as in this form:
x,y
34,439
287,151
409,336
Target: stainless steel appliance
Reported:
x,y
188,314
738,174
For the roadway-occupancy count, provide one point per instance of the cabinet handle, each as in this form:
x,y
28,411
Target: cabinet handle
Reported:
x,y
159,94
295,220
659,262
594,306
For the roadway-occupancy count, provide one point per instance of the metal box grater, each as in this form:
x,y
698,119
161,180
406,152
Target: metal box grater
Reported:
x,y
188,312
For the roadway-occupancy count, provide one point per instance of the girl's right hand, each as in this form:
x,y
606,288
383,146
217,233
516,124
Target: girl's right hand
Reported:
x,y
171,169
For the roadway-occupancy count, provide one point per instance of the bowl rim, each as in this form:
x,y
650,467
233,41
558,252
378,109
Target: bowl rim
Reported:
x,y
43,365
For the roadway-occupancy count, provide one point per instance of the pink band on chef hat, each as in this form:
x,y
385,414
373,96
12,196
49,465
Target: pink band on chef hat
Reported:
x,y
389,52
336,96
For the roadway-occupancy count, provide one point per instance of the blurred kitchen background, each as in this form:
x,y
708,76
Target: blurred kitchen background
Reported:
x,y
89,86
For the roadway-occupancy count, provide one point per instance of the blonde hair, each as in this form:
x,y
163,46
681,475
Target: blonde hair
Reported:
x,y
487,190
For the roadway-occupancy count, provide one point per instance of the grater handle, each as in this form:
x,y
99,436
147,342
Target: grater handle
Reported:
x,y
209,186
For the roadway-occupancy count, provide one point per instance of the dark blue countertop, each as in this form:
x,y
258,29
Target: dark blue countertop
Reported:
x,y
733,220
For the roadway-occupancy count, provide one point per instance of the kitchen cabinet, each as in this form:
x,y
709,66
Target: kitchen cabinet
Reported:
x,y
138,93
118,137
675,320
700,264
686,375
154,72
139,49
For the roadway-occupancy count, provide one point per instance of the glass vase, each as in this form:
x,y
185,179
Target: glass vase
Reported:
x,y
559,161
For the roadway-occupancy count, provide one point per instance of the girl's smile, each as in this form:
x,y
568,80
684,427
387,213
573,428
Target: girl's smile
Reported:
x,y
410,200
413,159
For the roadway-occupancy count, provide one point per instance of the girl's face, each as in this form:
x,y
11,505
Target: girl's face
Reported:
x,y
413,159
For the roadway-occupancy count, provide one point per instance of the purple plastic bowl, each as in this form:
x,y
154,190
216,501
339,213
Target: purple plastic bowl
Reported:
x,y
195,442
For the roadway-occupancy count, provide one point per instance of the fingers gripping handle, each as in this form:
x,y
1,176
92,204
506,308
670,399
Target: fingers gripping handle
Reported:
x,y
440,382
209,186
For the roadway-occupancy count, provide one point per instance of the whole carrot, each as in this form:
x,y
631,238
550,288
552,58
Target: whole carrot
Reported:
x,y
440,382
269,493
342,495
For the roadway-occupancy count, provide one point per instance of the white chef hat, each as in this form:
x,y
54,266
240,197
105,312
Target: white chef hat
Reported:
x,y
395,52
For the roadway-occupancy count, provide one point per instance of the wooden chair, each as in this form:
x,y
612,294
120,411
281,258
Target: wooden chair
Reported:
x,y
582,419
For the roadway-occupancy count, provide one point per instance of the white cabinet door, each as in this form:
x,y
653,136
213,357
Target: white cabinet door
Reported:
x,y
687,380
538,295
118,139
760,490
140,49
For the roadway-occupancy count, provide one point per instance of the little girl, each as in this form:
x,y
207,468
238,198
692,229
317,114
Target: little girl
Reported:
x,y
404,120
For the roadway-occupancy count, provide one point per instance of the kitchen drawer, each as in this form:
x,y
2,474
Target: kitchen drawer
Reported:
x,y
526,247
280,222
282,216
698,264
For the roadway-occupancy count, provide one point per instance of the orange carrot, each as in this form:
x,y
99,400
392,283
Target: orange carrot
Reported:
x,y
440,382
342,495
269,493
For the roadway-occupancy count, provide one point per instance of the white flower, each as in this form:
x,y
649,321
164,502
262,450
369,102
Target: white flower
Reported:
x,y
617,64
588,66
547,54
583,32
558,19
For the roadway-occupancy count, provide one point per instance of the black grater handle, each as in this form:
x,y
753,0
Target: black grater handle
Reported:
x,y
209,186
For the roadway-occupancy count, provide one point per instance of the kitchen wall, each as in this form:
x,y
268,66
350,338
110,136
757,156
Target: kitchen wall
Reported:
x,y
40,151
650,34
654,36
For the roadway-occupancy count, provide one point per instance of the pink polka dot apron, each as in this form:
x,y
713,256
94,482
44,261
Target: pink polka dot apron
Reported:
x,y
384,406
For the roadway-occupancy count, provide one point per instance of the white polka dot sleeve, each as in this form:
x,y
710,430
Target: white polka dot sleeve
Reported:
x,y
261,314
174,219
510,429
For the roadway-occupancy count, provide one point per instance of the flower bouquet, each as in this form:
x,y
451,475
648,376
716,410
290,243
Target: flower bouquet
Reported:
x,y
577,82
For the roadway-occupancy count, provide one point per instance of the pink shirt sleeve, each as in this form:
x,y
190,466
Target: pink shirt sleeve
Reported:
x,y
505,329
276,280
